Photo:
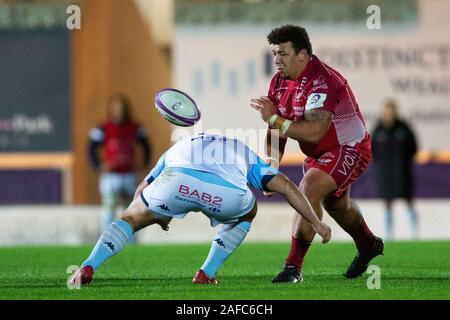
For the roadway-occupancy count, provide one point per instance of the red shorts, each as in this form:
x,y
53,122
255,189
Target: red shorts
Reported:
x,y
344,164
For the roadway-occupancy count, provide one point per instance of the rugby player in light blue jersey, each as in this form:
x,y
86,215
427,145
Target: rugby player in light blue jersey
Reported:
x,y
207,173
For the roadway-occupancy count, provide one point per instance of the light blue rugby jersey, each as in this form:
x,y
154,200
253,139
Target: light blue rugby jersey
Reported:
x,y
228,158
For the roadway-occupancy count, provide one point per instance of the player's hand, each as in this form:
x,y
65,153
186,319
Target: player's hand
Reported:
x,y
324,231
265,107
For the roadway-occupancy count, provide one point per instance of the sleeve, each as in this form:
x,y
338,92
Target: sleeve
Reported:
x,y
142,139
96,137
272,87
322,97
260,173
156,171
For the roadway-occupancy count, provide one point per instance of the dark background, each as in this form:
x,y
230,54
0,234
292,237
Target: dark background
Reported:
x,y
34,82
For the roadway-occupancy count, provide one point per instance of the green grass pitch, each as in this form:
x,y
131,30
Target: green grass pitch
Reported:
x,y
409,270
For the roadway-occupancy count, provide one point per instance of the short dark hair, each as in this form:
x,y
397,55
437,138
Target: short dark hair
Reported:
x,y
296,34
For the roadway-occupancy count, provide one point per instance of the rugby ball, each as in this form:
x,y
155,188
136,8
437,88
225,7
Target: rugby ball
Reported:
x,y
177,107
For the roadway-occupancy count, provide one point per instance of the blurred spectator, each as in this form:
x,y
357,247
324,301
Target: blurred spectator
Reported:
x,y
393,149
118,136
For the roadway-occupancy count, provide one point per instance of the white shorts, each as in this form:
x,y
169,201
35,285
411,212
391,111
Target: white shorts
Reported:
x,y
177,191
112,183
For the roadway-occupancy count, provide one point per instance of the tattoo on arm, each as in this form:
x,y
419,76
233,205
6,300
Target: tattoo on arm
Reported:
x,y
315,115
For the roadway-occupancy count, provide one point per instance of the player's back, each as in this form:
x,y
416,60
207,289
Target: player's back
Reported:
x,y
226,157
207,173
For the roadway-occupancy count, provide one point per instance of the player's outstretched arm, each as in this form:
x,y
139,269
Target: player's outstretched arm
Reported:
x,y
281,184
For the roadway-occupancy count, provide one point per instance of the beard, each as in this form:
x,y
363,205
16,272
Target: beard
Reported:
x,y
285,76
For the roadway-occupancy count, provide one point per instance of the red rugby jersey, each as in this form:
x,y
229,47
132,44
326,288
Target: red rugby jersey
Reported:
x,y
119,145
321,87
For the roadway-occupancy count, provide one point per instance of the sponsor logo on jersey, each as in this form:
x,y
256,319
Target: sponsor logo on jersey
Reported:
x,y
282,109
202,136
324,160
319,83
348,161
328,155
300,88
279,94
298,112
315,100
203,197
299,95
302,84
320,80
322,86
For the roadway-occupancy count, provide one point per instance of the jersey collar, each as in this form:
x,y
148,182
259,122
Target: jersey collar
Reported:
x,y
310,65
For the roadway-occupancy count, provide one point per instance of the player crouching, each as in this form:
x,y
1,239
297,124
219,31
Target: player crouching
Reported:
x,y
186,178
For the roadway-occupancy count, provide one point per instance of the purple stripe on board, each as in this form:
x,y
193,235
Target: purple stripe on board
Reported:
x,y
432,181
31,186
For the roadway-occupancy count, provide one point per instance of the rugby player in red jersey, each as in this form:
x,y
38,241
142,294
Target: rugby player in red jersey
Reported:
x,y
118,136
312,103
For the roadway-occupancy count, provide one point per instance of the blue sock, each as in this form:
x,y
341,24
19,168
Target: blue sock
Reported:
x,y
414,222
389,224
112,240
225,242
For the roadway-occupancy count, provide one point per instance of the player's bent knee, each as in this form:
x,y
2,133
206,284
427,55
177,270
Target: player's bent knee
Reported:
x,y
311,192
317,185
138,220
138,223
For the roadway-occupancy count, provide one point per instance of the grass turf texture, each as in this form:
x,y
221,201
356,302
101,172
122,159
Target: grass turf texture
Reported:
x,y
409,270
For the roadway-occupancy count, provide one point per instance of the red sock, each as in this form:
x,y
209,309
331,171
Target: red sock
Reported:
x,y
297,253
362,236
